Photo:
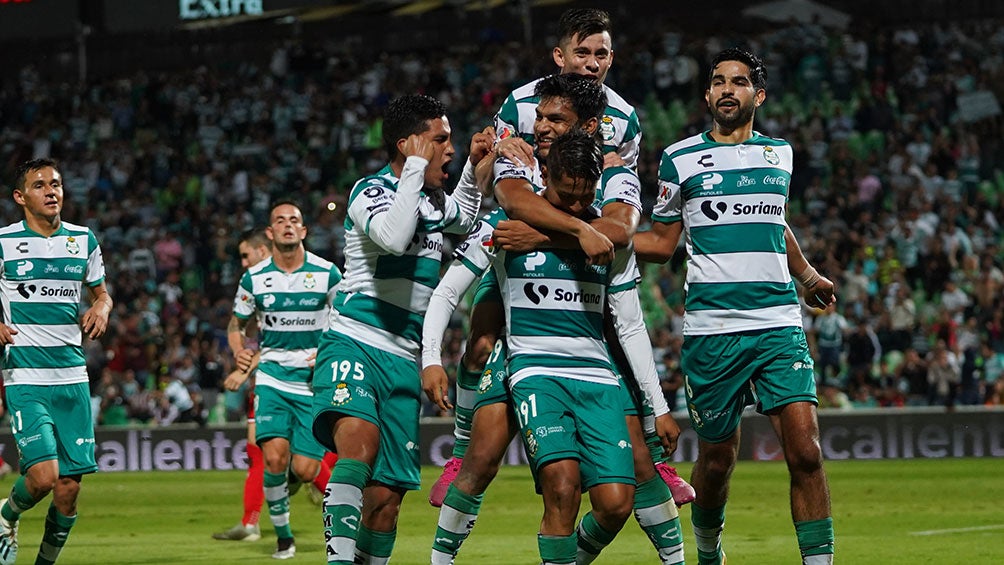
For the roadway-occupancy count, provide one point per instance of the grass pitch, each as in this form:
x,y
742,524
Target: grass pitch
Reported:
x,y
889,512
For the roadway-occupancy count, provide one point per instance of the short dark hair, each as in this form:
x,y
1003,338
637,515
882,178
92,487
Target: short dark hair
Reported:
x,y
407,115
575,154
582,22
585,95
255,237
758,71
21,173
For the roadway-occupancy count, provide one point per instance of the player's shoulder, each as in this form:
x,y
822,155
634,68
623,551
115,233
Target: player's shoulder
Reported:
x,y
686,145
13,230
382,179
525,92
317,262
617,102
76,230
761,139
259,267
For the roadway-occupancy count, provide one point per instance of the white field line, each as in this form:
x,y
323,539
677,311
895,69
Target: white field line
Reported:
x,y
958,530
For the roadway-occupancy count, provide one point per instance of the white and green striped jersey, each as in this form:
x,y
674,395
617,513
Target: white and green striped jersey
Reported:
x,y
40,291
731,199
292,310
618,184
383,297
619,127
554,306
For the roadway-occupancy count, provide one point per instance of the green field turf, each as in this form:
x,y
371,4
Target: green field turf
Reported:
x,y
910,512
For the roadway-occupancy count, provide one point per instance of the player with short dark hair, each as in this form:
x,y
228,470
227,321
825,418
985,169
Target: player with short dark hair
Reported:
x,y
46,265
727,188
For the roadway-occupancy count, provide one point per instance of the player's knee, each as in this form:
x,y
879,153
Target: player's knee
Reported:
x,y
805,460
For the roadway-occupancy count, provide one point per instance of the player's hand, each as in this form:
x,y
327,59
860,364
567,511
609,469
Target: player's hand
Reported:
x,y
821,294
516,150
245,359
597,246
234,380
481,144
7,334
312,359
612,159
418,146
517,236
95,321
668,432
436,385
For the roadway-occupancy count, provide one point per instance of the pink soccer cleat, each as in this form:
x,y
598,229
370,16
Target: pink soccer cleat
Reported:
x,y
683,493
442,484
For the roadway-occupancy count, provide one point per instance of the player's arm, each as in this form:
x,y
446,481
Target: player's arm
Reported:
x,y
658,244
468,193
444,301
390,218
818,290
95,320
629,323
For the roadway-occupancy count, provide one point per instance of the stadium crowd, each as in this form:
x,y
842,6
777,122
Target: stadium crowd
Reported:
x,y
897,193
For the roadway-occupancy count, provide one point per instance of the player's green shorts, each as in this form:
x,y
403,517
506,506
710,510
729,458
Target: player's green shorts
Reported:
x,y
563,418
725,373
53,422
492,388
354,379
488,288
286,415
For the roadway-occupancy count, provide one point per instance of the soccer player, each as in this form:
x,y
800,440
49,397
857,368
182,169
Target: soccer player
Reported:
x,y
47,263
367,391
560,374
290,294
567,102
253,247
584,48
726,190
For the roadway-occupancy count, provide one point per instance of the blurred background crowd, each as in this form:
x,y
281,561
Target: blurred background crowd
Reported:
x,y
897,194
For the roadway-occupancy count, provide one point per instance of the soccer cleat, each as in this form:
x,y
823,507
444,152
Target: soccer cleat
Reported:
x,y
285,549
683,493
8,539
240,532
442,484
314,494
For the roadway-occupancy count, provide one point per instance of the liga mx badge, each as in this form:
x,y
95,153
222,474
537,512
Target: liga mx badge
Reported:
x,y
342,395
309,281
72,246
770,155
607,128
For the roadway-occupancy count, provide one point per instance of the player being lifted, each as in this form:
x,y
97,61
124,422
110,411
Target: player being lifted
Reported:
x,y
567,102
725,191
584,48
367,391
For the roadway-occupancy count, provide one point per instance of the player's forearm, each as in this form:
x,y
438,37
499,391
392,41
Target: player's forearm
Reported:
x,y
443,302
393,229
629,324
520,203
656,245
797,263
468,198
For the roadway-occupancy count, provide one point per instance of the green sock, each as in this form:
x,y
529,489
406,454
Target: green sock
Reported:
x,y
815,540
467,393
456,520
708,526
343,503
374,547
277,498
57,529
592,539
659,519
556,550
20,500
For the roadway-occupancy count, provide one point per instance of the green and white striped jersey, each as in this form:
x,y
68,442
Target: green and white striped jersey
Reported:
x,y
383,297
292,311
618,184
619,127
40,291
731,199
